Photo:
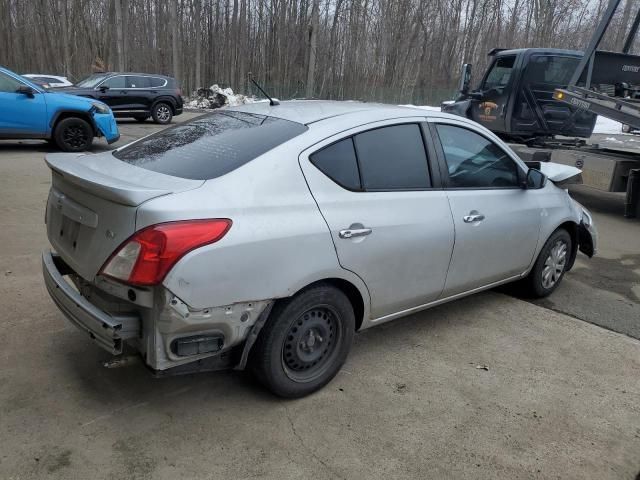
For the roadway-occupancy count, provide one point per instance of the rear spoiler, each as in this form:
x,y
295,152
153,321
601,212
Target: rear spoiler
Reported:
x,y
104,176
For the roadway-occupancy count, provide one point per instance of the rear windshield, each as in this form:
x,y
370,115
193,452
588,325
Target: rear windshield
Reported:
x,y
210,146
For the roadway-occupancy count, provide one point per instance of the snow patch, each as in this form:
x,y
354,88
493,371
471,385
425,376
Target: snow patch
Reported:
x,y
606,125
216,97
422,107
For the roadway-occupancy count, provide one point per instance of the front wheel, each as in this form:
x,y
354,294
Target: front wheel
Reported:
x,y
550,267
73,135
305,342
162,113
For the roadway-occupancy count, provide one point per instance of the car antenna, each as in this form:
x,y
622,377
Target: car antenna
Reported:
x,y
272,102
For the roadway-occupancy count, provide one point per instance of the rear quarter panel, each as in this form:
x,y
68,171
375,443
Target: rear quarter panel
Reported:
x,y
278,243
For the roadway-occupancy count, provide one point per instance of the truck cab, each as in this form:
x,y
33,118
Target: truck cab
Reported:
x,y
515,100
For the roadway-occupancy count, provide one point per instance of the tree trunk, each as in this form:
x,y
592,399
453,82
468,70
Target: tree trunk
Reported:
x,y
198,40
313,45
174,40
119,35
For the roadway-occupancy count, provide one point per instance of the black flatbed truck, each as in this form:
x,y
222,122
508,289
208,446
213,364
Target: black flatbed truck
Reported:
x,y
545,102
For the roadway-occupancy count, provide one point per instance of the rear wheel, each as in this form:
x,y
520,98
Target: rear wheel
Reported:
x,y
305,342
549,269
162,113
73,135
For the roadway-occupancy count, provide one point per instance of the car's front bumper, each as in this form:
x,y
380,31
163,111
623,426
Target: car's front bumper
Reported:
x,y
106,124
108,331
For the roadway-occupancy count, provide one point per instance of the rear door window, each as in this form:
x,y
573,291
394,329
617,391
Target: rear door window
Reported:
x,y
339,163
137,82
550,69
210,146
392,158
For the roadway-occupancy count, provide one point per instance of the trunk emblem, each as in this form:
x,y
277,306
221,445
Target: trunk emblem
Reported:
x,y
110,234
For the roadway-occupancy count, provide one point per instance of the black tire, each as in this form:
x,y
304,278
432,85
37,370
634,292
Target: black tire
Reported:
x,y
162,113
305,342
141,118
73,134
549,269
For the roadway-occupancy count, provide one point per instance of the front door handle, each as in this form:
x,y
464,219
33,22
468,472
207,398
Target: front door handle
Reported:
x,y
354,232
473,216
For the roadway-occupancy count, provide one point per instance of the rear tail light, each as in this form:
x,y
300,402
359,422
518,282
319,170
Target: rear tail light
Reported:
x,y
146,257
179,92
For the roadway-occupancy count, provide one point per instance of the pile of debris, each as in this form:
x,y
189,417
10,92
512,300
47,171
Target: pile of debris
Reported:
x,y
216,97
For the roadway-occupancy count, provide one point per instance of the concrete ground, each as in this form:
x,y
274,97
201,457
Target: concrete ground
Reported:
x,y
487,387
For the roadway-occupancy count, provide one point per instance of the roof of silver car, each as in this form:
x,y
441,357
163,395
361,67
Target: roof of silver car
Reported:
x,y
309,111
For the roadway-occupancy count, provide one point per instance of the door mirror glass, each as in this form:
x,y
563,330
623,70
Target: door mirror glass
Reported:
x,y
535,179
465,78
25,90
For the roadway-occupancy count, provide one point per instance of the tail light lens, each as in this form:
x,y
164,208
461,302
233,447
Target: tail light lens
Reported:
x,y
179,92
146,257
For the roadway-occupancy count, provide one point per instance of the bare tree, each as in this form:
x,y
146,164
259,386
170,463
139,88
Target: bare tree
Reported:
x,y
119,35
388,50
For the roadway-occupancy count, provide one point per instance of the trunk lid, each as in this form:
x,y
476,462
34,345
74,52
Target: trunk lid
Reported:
x,y
93,202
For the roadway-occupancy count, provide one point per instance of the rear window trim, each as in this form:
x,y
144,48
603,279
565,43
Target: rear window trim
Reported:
x,y
227,113
429,154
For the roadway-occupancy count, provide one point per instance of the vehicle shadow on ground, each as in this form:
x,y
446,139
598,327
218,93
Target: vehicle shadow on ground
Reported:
x,y
135,383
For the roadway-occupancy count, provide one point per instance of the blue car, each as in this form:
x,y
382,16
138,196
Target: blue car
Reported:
x,y
68,121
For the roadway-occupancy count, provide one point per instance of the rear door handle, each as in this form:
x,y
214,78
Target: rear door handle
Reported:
x,y
354,232
473,217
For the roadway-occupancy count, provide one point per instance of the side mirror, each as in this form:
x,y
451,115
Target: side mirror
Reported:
x,y
25,90
465,78
535,180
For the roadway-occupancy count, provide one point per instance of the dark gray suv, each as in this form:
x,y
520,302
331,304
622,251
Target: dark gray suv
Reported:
x,y
134,95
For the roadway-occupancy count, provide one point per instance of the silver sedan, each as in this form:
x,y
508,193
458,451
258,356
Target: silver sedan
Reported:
x,y
265,236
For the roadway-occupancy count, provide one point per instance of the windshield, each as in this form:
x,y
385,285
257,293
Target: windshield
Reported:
x,y
91,81
210,146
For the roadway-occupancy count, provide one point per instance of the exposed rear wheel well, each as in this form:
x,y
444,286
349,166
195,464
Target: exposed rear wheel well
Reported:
x,y
352,293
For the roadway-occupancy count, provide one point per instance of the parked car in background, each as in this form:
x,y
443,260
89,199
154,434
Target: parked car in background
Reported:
x,y
48,81
30,111
270,234
134,95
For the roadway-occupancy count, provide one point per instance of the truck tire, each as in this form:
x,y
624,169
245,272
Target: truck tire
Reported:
x,y
162,113
305,342
550,266
73,134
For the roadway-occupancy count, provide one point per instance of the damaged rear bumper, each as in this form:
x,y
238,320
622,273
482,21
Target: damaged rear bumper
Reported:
x,y
108,331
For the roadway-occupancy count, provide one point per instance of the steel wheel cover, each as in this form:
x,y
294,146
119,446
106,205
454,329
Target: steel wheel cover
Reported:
x,y
555,264
311,343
